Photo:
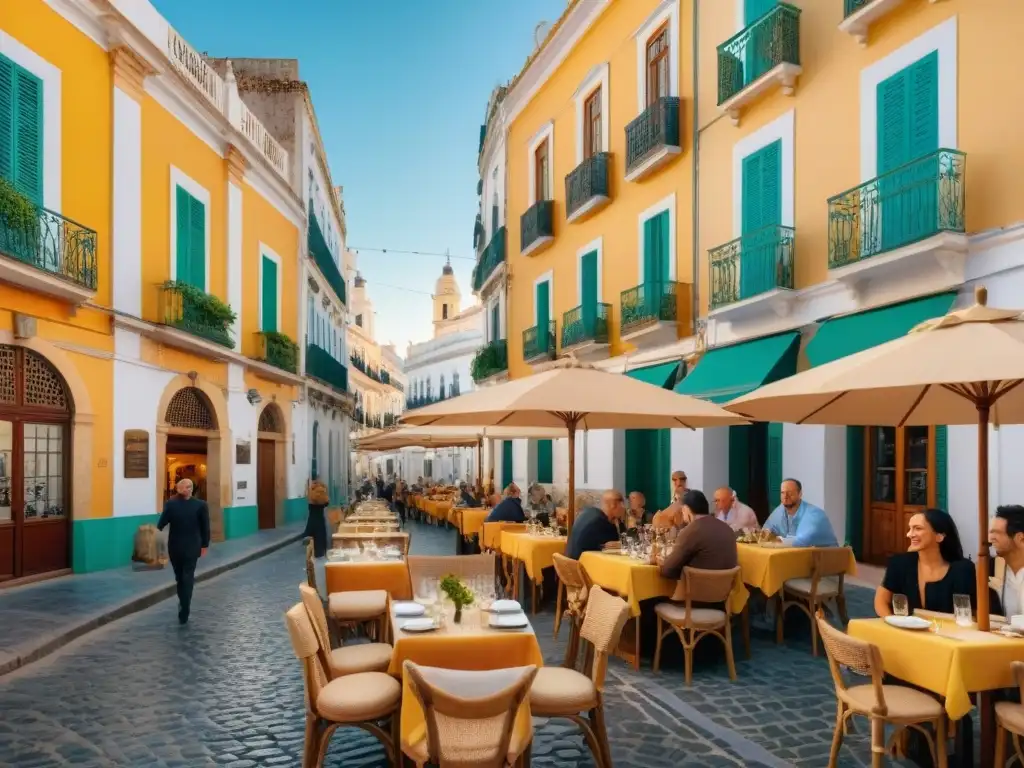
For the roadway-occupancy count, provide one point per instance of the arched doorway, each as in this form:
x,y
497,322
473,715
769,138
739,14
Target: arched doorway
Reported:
x,y
270,465
35,465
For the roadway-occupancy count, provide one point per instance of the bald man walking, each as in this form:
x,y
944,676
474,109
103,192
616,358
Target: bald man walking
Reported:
x,y
189,519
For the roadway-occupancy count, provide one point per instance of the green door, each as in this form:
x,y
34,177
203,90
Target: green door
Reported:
x,y
545,462
855,489
908,138
543,306
495,322
588,291
656,265
268,299
758,58
774,464
506,462
761,216
649,465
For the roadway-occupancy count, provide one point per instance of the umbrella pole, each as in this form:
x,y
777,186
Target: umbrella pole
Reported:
x,y
480,466
571,512
981,572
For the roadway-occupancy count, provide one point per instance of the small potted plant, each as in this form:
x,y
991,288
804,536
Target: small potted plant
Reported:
x,y
458,593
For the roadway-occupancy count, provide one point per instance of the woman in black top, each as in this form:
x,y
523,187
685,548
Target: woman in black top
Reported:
x,y
931,571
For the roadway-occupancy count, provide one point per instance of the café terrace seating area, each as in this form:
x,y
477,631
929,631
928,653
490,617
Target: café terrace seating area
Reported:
x,y
468,656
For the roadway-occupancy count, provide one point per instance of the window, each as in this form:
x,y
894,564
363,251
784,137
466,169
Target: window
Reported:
x,y
444,311
762,188
21,129
542,179
658,65
190,242
592,140
359,320
269,293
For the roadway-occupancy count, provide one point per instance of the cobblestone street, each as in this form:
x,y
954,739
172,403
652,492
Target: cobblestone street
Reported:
x,y
226,691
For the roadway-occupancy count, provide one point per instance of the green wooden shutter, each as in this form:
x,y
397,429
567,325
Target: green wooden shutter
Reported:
x,y
588,290
660,472
762,209
941,460
771,184
650,265
755,9
197,242
855,489
6,119
922,177
660,231
545,462
183,263
751,193
495,322
543,315
775,431
268,320
506,462
28,135
893,127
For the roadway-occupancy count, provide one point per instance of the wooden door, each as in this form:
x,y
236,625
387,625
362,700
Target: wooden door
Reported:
x,y
265,496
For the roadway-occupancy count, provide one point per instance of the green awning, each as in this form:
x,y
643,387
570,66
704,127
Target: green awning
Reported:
x,y
726,373
661,375
849,334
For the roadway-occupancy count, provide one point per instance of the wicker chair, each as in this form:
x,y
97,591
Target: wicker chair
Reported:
x,y
691,624
810,595
577,687
348,659
897,705
573,587
1010,720
362,700
470,716
351,610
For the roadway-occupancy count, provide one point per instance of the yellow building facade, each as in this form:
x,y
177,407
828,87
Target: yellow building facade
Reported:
x,y
805,198
152,234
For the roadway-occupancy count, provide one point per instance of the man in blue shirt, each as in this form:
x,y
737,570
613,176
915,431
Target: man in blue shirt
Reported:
x,y
798,523
510,510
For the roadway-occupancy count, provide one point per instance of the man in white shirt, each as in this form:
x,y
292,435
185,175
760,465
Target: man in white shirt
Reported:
x,y
1006,535
731,510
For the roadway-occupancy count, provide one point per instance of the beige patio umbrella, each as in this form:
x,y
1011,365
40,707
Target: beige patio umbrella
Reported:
x,y
963,368
574,396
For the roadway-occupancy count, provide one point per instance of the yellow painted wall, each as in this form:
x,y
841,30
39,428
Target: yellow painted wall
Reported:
x,y
827,104
263,223
609,40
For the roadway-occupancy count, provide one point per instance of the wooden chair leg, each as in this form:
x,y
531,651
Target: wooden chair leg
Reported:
x,y
657,646
837,737
312,742
780,613
1000,759
940,744
746,629
877,742
814,628
559,597
396,737
687,656
729,658
841,607
601,734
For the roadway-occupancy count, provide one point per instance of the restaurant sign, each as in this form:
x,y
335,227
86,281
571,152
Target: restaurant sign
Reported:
x,y
136,453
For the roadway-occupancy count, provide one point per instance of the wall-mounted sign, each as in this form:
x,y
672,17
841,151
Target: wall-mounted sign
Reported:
x,y
136,453
243,452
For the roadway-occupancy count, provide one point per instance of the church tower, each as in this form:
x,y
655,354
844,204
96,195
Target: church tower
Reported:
x,y
447,298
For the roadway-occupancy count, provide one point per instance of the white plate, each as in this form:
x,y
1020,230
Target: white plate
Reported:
x,y
419,625
506,606
509,621
409,609
908,622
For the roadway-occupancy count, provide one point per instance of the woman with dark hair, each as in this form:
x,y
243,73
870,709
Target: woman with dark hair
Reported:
x,y
931,571
318,498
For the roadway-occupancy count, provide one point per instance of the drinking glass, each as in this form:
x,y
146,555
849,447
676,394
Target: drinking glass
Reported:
x,y
900,606
623,542
962,610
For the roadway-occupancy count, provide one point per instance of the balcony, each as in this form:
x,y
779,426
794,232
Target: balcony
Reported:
x,y
321,366
537,227
753,272
492,257
763,56
184,307
859,15
422,401
321,254
490,360
586,188
45,252
652,312
585,334
652,139
278,350
539,346
886,226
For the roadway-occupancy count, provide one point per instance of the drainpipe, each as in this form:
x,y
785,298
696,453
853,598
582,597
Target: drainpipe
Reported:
x,y
695,206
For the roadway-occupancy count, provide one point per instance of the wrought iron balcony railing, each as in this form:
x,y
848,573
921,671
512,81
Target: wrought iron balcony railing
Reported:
x,y
538,344
490,360
750,265
656,127
320,365
537,222
422,401
581,325
769,41
189,309
916,201
649,303
850,7
587,181
493,255
321,254
278,350
50,242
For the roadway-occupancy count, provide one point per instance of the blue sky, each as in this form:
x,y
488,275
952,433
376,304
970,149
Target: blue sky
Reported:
x,y
399,89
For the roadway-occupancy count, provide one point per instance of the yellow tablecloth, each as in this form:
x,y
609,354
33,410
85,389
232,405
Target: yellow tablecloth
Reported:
x,y
491,538
535,552
636,581
473,520
437,509
392,576
768,568
966,661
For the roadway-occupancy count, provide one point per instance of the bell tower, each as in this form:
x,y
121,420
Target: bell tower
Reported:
x,y
447,298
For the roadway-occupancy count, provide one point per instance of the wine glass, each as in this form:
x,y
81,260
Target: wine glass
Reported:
x,y
962,610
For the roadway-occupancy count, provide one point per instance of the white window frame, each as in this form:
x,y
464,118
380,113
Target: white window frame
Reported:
x,y
781,129
941,38
548,277
546,133
593,245
665,204
180,179
667,11
598,76
268,252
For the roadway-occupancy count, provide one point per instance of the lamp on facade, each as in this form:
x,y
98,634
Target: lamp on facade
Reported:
x,y
253,396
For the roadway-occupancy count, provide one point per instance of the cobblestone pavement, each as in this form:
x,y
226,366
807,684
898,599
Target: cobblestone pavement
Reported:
x,y
226,691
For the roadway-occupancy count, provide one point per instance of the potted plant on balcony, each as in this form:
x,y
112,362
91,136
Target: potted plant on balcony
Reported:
x,y
19,223
200,312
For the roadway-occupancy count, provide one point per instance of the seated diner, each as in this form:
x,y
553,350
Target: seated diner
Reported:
x,y
707,542
798,523
509,509
593,527
729,509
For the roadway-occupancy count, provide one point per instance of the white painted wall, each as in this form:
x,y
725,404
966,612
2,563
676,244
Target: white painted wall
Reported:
x,y
126,237
703,454
235,261
816,456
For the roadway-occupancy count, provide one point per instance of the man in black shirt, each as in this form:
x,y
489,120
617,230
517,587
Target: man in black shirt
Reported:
x,y
510,510
189,519
595,527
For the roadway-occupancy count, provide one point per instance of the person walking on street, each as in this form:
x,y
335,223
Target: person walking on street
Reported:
x,y
316,523
188,540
